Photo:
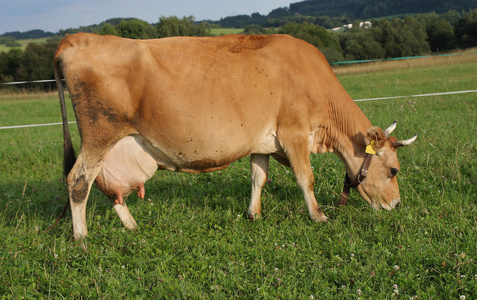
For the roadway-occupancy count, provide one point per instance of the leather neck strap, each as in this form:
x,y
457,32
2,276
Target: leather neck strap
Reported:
x,y
360,179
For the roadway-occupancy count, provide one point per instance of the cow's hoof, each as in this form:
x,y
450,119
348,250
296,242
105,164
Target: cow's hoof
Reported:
x,y
319,218
253,217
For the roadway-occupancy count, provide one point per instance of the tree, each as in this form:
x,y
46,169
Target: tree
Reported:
x,y
466,30
317,36
414,37
257,29
135,29
362,45
108,29
239,21
9,64
441,35
173,26
401,37
440,32
36,62
9,42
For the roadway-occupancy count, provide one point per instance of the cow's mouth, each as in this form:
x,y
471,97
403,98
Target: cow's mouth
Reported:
x,y
393,204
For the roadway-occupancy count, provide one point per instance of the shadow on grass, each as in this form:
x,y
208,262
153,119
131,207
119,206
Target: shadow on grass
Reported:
x,y
41,201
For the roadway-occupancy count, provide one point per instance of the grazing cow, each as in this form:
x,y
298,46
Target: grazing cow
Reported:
x,y
198,104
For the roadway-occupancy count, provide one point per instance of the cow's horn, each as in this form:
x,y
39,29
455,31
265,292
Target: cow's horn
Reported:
x,y
405,142
390,129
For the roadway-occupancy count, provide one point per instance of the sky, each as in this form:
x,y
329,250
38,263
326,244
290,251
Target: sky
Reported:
x,y
53,15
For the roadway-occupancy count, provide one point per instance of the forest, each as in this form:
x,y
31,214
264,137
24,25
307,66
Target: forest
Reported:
x,y
331,13
400,36
369,9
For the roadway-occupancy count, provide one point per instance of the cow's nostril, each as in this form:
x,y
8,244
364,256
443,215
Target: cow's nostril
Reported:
x,y
398,204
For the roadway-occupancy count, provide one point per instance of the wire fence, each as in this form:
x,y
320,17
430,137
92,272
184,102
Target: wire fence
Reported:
x,y
26,82
357,100
336,63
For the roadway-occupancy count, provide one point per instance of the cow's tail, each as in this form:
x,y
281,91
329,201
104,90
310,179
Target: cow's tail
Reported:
x,y
69,156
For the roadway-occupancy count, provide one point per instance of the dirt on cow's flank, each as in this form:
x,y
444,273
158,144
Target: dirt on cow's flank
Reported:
x,y
194,241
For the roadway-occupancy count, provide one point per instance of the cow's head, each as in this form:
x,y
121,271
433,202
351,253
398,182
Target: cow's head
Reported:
x,y
381,188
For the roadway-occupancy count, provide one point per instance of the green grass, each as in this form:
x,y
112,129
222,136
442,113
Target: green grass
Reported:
x,y
412,81
194,242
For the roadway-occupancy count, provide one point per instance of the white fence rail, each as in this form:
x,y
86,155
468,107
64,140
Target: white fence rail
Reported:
x,y
25,82
358,100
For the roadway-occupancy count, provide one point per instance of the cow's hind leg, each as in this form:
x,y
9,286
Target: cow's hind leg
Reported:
x,y
299,156
258,175
80,180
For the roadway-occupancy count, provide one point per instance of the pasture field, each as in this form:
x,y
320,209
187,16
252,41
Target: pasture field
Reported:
x,y
194,241
224,31
23,43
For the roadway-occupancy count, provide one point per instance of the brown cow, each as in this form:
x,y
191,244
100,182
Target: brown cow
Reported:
x,y
199,104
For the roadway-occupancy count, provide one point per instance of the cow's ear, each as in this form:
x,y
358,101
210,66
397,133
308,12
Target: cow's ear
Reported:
x,y
376,137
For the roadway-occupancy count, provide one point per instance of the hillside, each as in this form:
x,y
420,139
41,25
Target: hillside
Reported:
x,y
366,9
32,34
332,13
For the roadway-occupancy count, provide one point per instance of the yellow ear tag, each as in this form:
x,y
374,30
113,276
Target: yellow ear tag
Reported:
x,y
369,148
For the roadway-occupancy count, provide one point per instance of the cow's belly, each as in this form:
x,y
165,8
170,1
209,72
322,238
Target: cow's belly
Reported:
x,y
206,155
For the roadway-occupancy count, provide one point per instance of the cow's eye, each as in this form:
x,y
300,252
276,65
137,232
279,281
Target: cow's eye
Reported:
x,y
393,172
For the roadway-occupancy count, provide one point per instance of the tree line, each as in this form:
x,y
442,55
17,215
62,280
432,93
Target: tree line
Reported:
x,y
368,9
31,34
332,13
385,38
36,61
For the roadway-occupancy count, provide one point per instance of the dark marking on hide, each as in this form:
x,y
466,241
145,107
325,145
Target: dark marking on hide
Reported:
x,y
79,190
86,105
202,164
248,43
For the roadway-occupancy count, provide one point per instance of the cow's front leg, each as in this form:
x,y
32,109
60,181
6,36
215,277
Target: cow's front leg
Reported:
x,y
299,157
258,175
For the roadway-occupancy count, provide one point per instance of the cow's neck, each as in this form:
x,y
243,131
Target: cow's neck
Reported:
x,y
348,131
